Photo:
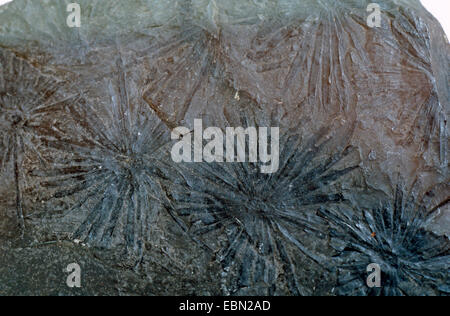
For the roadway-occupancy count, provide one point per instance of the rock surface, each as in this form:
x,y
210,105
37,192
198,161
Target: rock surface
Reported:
x,y
86,116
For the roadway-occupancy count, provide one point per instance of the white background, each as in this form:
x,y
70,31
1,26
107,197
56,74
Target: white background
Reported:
x,y
439,8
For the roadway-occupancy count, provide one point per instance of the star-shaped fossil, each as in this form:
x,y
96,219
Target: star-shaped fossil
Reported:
x,y
30,103
256,222
392,235
110,167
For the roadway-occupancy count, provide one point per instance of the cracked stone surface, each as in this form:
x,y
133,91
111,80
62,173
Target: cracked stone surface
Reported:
x,y
86,174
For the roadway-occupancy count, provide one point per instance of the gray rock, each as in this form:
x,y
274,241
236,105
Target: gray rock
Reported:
x,y
86,116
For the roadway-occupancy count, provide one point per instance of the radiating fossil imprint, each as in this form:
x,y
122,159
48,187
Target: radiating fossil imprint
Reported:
x,y
250,219
29,103
112,167
413,261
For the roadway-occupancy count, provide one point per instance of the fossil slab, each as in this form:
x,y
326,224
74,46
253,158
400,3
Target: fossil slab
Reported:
x,y
90,106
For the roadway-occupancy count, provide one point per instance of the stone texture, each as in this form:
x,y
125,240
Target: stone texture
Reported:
x,y
86,173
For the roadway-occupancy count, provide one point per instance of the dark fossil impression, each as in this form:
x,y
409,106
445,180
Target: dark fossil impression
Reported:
x,y
29,110
255,222
412,260
86,116
112,168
